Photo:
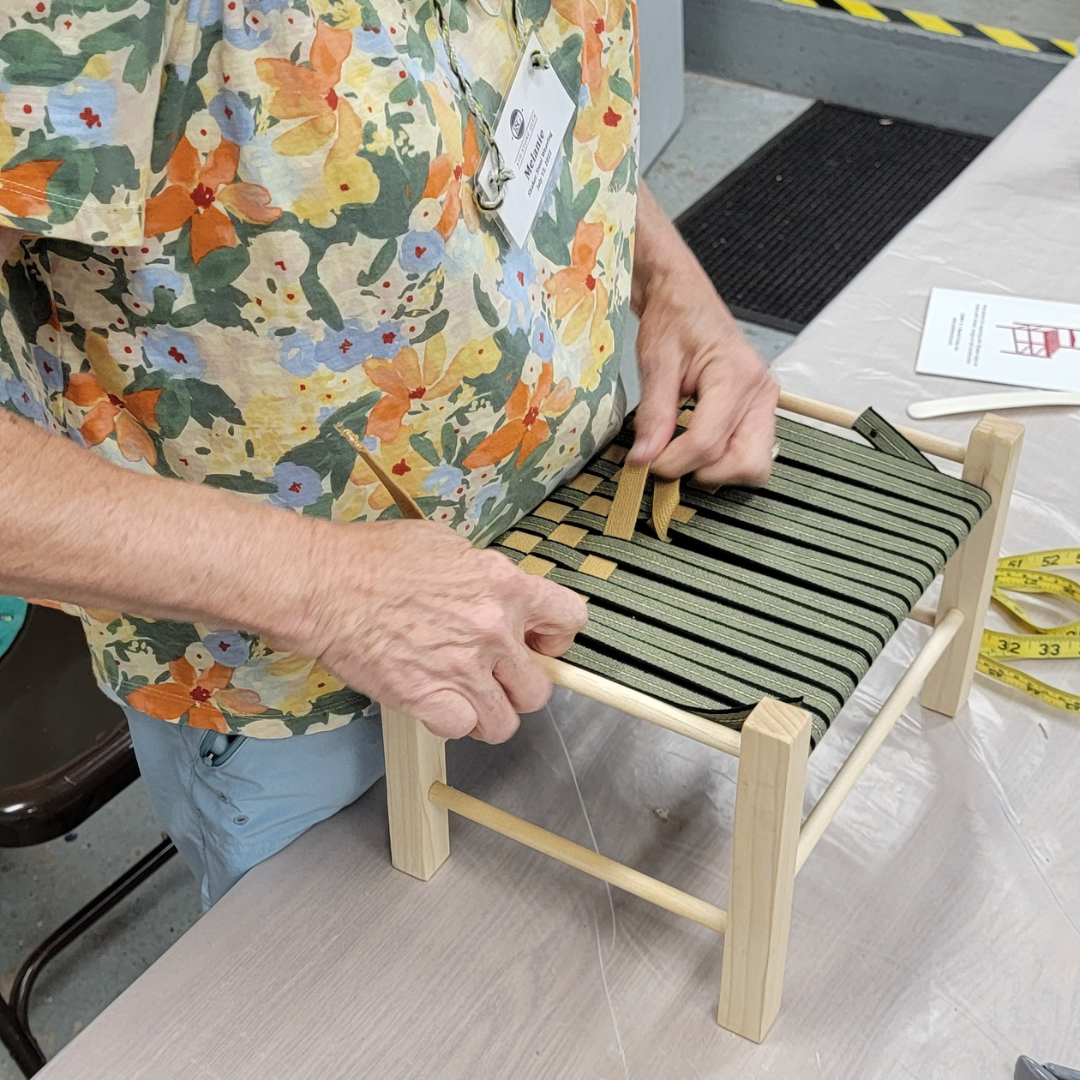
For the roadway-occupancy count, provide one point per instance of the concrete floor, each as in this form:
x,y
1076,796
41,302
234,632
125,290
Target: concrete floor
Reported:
x,y
42,886
1045,18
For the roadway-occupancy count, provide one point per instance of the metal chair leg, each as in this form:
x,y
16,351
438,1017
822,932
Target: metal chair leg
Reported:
x,y
18,1042
81,921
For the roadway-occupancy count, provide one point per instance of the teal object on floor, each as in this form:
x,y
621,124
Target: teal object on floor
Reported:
x,y
12,616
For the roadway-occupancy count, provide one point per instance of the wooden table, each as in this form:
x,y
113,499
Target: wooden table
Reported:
x,y
937,933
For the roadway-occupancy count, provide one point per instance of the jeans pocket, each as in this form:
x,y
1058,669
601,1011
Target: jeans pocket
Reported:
x,y
217,748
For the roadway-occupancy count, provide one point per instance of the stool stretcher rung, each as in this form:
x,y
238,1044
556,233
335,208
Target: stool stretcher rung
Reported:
x,y
839,417
631,701
845,779
598,866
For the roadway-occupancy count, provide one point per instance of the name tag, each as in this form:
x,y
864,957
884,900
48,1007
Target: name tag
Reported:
x,y
533,122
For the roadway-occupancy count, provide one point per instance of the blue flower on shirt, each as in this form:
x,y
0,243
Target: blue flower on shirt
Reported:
x,y
444,480
245,28
170,350
297,485
85,110
233,117
518,274
486,493
143,281
297,353
375,41
340,350
543,341
228,648
421,251
18,393
50,369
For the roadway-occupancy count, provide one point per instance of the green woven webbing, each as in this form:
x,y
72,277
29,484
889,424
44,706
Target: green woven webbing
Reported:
x,y
790,591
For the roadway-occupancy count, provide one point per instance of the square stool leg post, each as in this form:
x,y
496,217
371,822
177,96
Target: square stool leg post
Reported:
x,y
992,457
419,830
768,815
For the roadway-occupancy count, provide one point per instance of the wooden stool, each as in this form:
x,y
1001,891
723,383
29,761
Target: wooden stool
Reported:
x,y
771,841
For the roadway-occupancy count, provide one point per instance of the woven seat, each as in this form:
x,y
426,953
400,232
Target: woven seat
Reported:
x,y
788,591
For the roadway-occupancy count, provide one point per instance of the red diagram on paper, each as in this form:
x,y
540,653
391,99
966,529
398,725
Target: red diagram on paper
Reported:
x,y
1034,339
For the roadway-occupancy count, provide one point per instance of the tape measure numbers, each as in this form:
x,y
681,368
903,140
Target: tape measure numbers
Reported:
x,y
1027,574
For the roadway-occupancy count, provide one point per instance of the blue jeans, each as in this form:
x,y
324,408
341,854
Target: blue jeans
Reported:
x,y
228,802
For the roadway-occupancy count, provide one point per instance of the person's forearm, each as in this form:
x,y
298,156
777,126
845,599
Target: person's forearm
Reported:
x,y
659,251
76,528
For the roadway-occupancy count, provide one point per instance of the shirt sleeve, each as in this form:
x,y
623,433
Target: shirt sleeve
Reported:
x,y
79,86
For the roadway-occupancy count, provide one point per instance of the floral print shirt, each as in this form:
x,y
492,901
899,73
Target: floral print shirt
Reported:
x,y
252,220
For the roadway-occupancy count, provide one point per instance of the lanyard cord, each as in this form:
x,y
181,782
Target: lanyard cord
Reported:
x,y
500,173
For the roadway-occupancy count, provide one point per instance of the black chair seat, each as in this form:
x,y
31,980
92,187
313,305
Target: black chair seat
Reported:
x,y
65,750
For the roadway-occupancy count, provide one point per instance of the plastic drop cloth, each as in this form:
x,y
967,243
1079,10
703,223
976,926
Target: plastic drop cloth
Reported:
x,y
936,928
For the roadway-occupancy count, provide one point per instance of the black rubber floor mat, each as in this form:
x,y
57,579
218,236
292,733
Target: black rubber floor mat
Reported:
x,y
789,228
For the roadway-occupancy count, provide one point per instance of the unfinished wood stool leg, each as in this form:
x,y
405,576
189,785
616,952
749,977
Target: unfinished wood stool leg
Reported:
x,y
768,814
419,830
992,457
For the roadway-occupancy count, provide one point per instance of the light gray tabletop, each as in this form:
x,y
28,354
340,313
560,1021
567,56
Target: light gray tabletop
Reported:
x,y
936,930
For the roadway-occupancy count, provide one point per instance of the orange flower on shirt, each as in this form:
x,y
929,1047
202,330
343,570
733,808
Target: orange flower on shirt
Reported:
x,y
455,165
575,290
407,383
196,696
22,188
307,92
196,190
526,427
593,18
126,415
580,298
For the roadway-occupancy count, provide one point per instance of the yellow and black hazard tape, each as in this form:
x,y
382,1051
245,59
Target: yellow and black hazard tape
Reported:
x,y
1028,574
935,24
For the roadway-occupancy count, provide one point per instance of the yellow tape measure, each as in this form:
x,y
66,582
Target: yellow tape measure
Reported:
x,y
1028,574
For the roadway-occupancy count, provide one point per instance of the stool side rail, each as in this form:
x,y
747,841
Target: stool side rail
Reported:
x,y
581,858
827,807
845,418
635,703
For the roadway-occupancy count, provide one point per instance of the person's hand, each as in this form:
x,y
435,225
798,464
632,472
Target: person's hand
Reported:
x,y
416,618
688,343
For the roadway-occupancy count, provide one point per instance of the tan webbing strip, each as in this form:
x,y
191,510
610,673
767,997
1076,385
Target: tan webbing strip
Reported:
x,y
665,501
587,482
570,535
521,541
538,567
555,511
594,504
614,453
622,519
595,566
405,502
685,417
682,513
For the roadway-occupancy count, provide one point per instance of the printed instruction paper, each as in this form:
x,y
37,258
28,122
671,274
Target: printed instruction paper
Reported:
x,y
1001,339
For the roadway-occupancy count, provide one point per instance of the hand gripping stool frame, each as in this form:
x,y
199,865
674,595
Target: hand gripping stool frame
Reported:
x,y
771,841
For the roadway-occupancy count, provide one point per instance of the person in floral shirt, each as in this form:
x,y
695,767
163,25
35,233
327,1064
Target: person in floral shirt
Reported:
x,y
230,227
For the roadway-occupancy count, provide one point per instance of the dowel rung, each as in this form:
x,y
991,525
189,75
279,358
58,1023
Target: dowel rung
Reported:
x,y
583,858
644,707
839,417
862,753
